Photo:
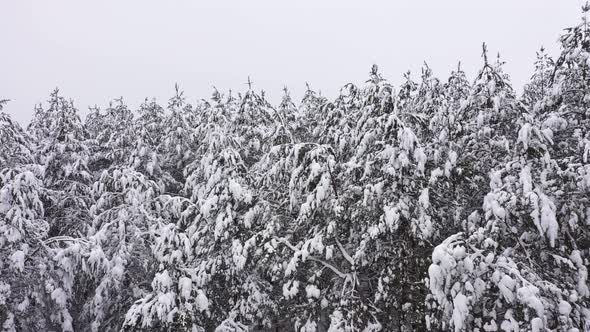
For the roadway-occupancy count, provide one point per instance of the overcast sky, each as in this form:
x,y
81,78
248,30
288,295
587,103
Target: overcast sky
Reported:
x,y
99,50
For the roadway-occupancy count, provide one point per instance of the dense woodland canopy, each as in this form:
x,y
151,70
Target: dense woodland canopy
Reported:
x,y
440,204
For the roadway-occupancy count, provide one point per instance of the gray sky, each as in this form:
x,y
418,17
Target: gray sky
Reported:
x,y
99,50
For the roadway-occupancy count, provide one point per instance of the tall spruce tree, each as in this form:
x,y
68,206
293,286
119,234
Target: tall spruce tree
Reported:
x,y
64,154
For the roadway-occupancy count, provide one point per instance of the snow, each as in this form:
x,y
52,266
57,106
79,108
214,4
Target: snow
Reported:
x,y
323,188
564,308
555,123
506,287
582,282
509,324
18,260
238,191
548,220
548,134
60,297
537,325
24,305
337,322
238,256
208,205
228,325
492,205
526,180
4,201
8,325
529,295
490,326
437,281
523,135
576,258
5,291
290,289
309,326
424,198
586,154
407,139
312,291
201,301
249,218
185,287
435,174
420,158
164,304
162,281
460,311
329,252
391,216
459,252
292,265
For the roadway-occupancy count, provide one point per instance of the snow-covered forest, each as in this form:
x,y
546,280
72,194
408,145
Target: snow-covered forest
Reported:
x,y
441,204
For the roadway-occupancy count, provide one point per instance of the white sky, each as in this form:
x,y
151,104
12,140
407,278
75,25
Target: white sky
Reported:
x,y
99,50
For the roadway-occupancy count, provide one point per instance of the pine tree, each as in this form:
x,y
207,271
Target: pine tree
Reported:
x,y
145,157
179,140
119,260
252,124
115,138
428,100
15,144
539,86
206,247
63,152
523,257
310,108
23,229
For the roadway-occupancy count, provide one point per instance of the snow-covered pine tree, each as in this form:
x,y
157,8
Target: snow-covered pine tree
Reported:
x,y
115,138
310,109
540,85
253,124
491,117
118,260
407,93
346,208
145,157
150,122
93,123
23,257
93,126
448,183
287,121
527,260
15,144
39,126
179,140
338,120
64,155
209,273
387,212
426,102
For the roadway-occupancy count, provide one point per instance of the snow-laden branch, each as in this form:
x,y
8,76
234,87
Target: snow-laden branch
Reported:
x,y
344,253
341,274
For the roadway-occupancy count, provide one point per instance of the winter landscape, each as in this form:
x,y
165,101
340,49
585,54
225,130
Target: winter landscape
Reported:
x,y
438,204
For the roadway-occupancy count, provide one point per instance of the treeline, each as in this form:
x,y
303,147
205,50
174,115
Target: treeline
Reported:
x,y
435,205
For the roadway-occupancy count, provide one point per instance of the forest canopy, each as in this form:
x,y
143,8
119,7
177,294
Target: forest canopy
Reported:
x,y
439,204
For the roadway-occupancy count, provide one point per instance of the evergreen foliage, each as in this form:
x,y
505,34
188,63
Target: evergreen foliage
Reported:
x,y
441,205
